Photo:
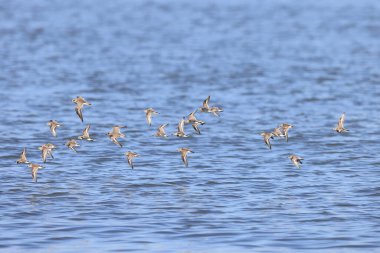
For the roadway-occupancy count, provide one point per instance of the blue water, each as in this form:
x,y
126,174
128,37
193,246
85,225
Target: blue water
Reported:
x,y
264,62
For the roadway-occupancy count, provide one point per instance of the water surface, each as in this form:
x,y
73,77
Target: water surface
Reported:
x,y
265,63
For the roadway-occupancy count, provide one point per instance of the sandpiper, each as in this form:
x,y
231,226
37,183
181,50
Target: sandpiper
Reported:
x,y
46,150
23,157
191,118
285,128
340,127
115,133
267,137
35,168
296,160
86,134
196,126
80,102
205,107
161,131
53,124
180,129
216,110
72,144
130,155
184,152
148,114
277,132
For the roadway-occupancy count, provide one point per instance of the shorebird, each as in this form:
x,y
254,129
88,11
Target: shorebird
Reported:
x,y
130,155
216,110
72,144
180,129
86,134
46,150
148,114
35,168
184,152
115,133
205,107
80,102
296,160
53,124
23,157
340,127
196,126
285,128
161,131
277,132
191,118
267,137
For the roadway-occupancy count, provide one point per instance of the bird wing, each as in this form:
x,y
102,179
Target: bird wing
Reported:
x,y
114,140
78,110
45,152
130,162
34,173
52,129
149,117
267,141
23,155
86,133
205,102
116,130
184,158
196,128
181,126
341,120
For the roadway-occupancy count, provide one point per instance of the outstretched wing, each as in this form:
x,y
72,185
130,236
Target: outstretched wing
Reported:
x,y
184,158
86,133
78,110
181,124
205,102
341,120
196,128
114,140
149,118
45,153
23,155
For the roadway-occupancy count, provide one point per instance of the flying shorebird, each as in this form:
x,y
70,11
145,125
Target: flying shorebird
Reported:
x,y
80,102
72,144
277,132
205,107
180,129
46,150
216,110
196,127
296,160
267,137
35,168
184,152
23,157
130,155
115,133
340,127
148,114
86,134
285,128
194,121
53,124
191,118
161,131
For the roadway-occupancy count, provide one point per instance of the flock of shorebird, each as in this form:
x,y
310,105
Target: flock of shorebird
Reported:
x,y
47,149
